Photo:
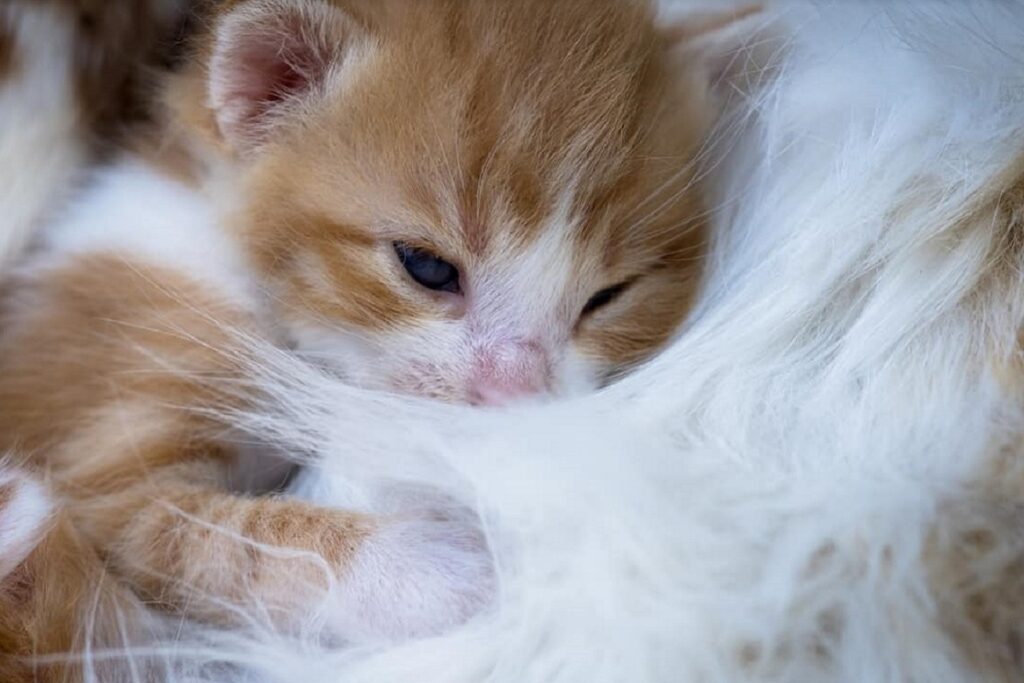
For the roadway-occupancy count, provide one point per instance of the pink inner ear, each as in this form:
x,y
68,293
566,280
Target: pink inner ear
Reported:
x,y
267,77
267,57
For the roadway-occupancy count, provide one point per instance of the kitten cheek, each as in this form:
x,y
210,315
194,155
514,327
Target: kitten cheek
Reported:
x,y
343,353
577,374
426,380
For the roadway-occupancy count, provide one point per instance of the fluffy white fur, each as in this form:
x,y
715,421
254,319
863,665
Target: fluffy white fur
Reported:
x,y
827,405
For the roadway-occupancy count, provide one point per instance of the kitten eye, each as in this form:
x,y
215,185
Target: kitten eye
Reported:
x,y
428,270
605,297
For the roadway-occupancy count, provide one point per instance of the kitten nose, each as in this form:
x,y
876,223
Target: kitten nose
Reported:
x,y
508,372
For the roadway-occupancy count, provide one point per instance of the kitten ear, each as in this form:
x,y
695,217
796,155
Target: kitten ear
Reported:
x,y
723,45
269,57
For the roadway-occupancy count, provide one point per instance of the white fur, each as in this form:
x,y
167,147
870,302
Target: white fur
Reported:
x,y
828,403
415,577
137,213
23,517
42,144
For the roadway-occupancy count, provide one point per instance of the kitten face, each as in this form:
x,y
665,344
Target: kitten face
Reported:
x,y
472,201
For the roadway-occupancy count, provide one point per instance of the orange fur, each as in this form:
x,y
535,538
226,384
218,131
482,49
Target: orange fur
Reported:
x,y
45,607
101,375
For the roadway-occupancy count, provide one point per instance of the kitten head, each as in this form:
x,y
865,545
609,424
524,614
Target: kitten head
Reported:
x,y
473,201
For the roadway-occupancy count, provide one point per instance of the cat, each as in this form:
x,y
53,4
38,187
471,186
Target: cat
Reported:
x,y
476,202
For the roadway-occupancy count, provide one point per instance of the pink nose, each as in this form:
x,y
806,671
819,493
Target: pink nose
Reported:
x,y
508,372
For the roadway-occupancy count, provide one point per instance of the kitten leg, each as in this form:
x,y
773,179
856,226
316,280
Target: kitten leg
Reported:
x,y
182,540
108,374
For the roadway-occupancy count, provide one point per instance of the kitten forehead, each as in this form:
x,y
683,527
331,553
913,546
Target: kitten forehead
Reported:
x,y
526,288
475,118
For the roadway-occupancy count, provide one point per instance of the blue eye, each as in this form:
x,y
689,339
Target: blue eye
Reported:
x,y
428,270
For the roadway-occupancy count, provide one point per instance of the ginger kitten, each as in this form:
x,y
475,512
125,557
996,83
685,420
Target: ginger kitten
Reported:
x,y
478,202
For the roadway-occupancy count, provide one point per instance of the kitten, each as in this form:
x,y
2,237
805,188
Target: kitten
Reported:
x,y
477,202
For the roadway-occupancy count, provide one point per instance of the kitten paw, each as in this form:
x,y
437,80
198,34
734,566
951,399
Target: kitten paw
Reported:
x,y
415,577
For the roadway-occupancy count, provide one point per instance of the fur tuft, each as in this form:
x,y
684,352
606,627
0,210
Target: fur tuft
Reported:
x,y
25,512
